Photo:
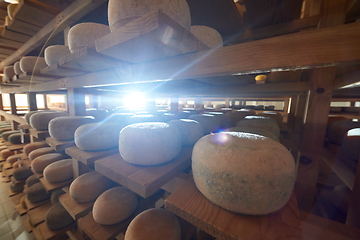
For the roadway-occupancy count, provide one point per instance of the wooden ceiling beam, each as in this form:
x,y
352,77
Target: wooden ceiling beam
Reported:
x,y
347,79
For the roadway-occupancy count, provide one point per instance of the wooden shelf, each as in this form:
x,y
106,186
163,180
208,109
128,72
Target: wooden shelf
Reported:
x,y
61,71
11,193
34,77
27,226
88,158
47,234
51,187
37,215
31,205
39,134
75,209
188,203
59,145
16,147
16,198
20,209
142,180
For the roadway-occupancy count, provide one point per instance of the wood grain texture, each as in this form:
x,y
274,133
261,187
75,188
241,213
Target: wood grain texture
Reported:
x,y
48,234
142,180
188,203
89,158
37,215
59,145
51,187
75,209
22,27
15,36
16,198
19,208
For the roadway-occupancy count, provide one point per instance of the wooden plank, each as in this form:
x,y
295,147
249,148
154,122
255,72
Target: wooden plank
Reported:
x,y
31,205
76,102
15,147
16,198
48,234
11,193
142,180
22,27
15,36
37,215
27,226
89,60
10,43
36,76
188,203
147,38
353,215
75,209
39,134
51,187
59,145
88,158
60,71
19,208
37,234
7,51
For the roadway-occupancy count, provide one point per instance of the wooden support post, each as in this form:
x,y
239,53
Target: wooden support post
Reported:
x,y
291,116
76,102
174,104
32,105
2,118
14,124
198,103
227,102
79,168
45,102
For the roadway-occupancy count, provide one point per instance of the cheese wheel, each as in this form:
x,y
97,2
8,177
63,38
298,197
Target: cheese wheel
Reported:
x,y
30,113
5,129
149,143
87,187
99,115
154,224
219,117
114,206
32,64
32,180
22,173
57,217
40,121
28,148
208,36
63,128
350,145
257,131
122,12
207,122
40,151
5,135
231,118
37,193
278,117
55,196
9,71
334,118
337,130
15,138
98,136
17,186
84,35
6,153
259,122
15,165
12,159
59,171
17,69
41,162
141,118
190,130
52,54
243,172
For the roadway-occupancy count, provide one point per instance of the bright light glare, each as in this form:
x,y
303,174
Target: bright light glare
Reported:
x,y
134,100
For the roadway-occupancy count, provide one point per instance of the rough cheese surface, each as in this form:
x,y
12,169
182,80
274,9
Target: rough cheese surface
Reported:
x,y
32,64
63,128
209,36
59,171
41,162
190,130
28,148
40,151
40,121
52,54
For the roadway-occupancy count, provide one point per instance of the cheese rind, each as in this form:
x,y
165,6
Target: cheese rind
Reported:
x,y
41,162
59,171
52,54
63,128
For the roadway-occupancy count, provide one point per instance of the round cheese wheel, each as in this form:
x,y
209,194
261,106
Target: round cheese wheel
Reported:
x,y
28,148
99,115
337,130
15,138
257,131
154,224
5,129
259,122
278,117
334,118
114,206
349,145
84,35
149,143
22,173
40,121
32,180
190,130
9,72
141,118
87,187
30,113
15,165
219,117
208,36
231,118
17,187
55,196
32,64
98,136
243,172
41,162
12,159
37,193
207,121
5,135
57,217
52,54
122,12
17,69
63,128
40,151
59,171
6,153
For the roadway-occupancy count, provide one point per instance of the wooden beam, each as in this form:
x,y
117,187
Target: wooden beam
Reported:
x,y
76,102
31,96
12,103
347,79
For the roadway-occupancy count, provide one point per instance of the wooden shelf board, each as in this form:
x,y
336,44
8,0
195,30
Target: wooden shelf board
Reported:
x,y
26,163
88,158
11,193
59,145
89,60
27,226
16,198
20,209
37,215
188,203
75,209
31,205
140,179
8,174
23,156
48,234
51,187
147,43
15,147
61,71
7,165
39,134
36,77
37,234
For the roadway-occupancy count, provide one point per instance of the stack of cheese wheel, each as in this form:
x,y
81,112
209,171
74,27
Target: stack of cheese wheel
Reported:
x,y
5,135
30,113
122,12
41,162
63,128
235,116
40,121
6,153
84,35
28,148
40,151
32,64
32,180
154,224
259,122
5,129
149,143
258,131
15,138
9,72
59,171
12,159
243,172
98,136
17,69
114,206
22,173
190,130
349,150
54,53
207,121
89,186
210,37
338,129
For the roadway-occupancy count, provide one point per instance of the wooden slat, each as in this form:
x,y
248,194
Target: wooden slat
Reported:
x,y
347,79
19,208
141,179
59,145
27,226
12,117
15,36
88,158
36,76
353,216
188,203
16,198
48,234
15,147
37,215
75,209
22,27
51,187
60,71
39,134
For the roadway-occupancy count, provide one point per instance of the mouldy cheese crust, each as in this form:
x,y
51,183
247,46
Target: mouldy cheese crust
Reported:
x,y
243,172
63,128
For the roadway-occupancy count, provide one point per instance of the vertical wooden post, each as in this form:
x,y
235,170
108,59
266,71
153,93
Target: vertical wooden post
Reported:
x,y
174,104
198,104
79,168
227,102
32,105
291,116
14,124
45,102
2,118
76,102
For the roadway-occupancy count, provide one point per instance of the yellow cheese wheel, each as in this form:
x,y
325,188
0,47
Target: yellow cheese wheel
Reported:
x,y
54,53
28,148
41,162
40,151
32,64
59,171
